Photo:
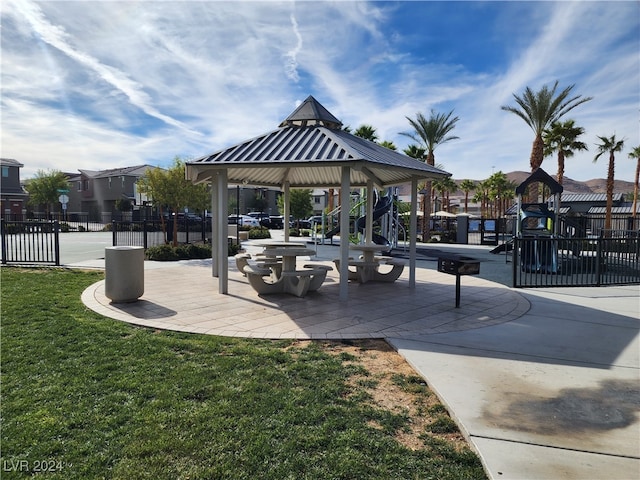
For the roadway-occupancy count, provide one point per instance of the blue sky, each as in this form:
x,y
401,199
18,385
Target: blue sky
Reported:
x,y
98,85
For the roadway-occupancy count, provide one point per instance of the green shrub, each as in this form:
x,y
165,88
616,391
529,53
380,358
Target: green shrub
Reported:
x,y
168,253
259,232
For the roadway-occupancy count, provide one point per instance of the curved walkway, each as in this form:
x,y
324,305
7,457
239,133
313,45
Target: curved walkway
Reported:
x,y
185,298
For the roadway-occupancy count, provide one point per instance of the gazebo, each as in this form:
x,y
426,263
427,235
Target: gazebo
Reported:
x,y
308,150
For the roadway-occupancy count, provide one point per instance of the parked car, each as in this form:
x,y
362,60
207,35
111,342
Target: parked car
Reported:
x,y
276,221
243,221
262,217
315,220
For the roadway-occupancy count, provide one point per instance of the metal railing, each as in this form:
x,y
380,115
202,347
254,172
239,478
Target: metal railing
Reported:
x,y
31,242
576,262
149,233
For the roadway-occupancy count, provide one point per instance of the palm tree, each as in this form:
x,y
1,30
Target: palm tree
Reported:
x,y
466,186
635,153
612,146
539,110
428,134
562,137
367,132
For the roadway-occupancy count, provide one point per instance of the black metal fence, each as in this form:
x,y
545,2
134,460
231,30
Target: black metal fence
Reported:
x,y
610,259
149,233
72,222
31,242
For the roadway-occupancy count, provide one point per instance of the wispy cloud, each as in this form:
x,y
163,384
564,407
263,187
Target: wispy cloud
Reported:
x,y
59,39
85,85
291,65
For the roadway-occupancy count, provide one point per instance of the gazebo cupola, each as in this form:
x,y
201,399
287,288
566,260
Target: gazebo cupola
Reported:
x,y
311,113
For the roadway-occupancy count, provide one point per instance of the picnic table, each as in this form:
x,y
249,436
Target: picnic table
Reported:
x,y
277,272
367,266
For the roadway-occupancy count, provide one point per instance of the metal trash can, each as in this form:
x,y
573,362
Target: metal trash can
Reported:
x,y
124,273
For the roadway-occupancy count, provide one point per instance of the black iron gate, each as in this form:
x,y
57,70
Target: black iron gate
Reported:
x,y
30,242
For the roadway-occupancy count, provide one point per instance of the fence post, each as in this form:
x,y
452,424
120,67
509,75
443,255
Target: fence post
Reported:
x,y
144,234
114,235
515,261
598,256
56,241
4,241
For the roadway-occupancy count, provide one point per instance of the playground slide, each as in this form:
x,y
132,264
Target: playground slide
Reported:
x,y
382,206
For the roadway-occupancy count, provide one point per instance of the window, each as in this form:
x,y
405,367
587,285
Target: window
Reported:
x,y
5,172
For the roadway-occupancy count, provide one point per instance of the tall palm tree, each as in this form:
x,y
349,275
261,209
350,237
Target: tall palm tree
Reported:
x,y
635,153
466,186
539,110
428,134
562,137
610,145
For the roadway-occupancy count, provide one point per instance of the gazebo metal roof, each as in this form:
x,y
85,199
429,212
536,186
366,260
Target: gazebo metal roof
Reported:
x,y
309,152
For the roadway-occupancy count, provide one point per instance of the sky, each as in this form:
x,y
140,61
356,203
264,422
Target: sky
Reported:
x,y
105,84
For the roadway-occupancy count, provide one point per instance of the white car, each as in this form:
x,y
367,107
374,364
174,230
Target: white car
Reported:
x,y
243,221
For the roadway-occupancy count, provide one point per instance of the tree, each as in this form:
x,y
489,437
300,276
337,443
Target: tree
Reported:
x,y
610,145
428,134
539,110
466,186
388,144
367,132
170,188
635,153
562,137
44,188
300,203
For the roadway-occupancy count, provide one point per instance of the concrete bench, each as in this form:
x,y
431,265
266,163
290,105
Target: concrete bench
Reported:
x,y
320,275
369,271
242,261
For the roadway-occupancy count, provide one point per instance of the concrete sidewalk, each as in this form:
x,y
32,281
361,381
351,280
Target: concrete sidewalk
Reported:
x,y
545,383
554,394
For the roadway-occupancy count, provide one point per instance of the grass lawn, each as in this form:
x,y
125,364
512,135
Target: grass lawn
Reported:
x,y
87,397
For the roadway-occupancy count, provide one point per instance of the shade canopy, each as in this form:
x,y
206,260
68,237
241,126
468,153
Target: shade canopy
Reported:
x,y
310,152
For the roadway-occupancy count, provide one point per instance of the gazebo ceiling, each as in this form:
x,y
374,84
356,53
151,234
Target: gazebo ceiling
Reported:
x,y
309,150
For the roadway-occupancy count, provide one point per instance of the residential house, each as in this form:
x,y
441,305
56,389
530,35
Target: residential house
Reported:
x,y
13,196
96,192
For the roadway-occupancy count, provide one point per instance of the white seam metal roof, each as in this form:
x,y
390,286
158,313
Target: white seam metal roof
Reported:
x,y
310,156
309,150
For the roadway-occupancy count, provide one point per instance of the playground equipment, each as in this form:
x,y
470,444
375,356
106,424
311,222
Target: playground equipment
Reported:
x,y
384,213
536,221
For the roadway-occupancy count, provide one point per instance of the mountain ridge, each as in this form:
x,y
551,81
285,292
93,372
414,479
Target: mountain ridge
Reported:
x,y
596,185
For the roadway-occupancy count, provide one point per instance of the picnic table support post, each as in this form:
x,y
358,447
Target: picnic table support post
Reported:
x,y
223,230
345,186
215,220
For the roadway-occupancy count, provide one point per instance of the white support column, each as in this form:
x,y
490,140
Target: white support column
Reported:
x,y
345,187
287,209
413,227
368,229
223,233
215,261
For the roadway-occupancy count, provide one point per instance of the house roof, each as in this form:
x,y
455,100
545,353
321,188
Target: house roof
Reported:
x,y
10,162
135,171
309,150
590,197
622,210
